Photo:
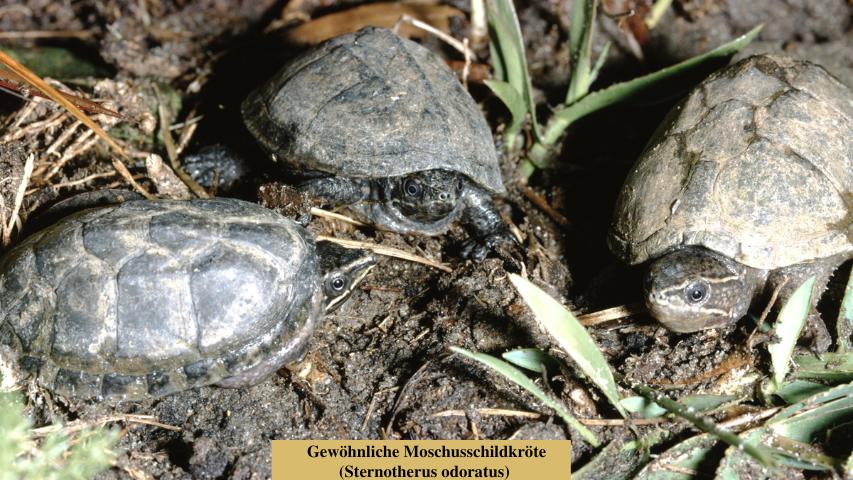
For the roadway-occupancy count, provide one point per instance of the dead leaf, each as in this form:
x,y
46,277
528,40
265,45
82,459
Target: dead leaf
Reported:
x,y
374,14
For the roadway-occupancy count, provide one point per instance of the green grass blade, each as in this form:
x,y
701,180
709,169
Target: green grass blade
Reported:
x,y
515,376
498,69
821,398
737,464
613,462
599,63
580,41
699,403
845,318
571,336
509,45
620,92
789,325
764,455
532,359
811,419
514,103
830,368
798,390
686,456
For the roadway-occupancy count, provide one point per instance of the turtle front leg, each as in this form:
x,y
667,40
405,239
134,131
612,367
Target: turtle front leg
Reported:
x,y
296,202
788,279
336,191
489,233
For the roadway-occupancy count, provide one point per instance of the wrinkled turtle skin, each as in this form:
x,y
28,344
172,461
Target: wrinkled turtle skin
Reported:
x,y
147,298
383,125
748,185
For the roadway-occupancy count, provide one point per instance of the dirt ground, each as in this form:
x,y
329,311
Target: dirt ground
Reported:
x,y
379,366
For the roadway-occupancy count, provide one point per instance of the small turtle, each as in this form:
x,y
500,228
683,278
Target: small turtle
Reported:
x,y
148,298
746,188
383,125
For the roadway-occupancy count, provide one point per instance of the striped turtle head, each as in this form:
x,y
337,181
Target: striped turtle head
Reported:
x,y
693,288
343,269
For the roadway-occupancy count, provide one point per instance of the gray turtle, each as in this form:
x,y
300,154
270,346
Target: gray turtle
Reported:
x,y
746,188
147,298
383,125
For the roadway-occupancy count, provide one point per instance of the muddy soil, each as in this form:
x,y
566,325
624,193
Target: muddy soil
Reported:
x,y
379,366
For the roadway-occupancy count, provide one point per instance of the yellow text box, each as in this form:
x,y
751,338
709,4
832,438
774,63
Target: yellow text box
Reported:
x,y
440,459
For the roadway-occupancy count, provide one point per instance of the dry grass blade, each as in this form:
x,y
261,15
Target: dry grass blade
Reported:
x,y
13,82
19,199
446,38
610,314
489,412
387,251
618,422
319,212
35,34
172,152
78,425
53,94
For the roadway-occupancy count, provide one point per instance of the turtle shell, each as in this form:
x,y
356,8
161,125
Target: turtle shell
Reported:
x,y
756,163
152,297
371,104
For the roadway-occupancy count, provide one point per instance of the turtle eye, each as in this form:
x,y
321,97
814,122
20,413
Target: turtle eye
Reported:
x,y
336,284
412,188
696,292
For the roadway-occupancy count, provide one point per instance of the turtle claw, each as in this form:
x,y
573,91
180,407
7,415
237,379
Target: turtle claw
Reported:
x,y
501,242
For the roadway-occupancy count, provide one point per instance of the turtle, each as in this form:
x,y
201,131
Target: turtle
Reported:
x,y
379,123
745,189
147,298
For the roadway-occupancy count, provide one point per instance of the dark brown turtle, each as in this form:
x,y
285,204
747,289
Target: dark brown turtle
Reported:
x,y
746,188
379,123
147,298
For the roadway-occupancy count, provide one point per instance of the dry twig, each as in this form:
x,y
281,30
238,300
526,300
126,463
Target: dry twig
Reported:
x,y
388,252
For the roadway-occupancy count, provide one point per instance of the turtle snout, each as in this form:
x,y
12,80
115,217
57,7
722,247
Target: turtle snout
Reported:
x,y
441,207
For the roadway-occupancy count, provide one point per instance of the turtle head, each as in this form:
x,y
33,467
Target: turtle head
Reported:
x,y
427,196
693,288
343,269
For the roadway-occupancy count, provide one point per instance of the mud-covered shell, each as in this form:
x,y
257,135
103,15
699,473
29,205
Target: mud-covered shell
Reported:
x,y
152,297
756,163
371,104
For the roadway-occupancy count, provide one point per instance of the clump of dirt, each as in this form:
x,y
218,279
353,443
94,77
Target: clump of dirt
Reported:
x,y
166,39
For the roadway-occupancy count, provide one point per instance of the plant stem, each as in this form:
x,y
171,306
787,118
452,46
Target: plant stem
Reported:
x,y
705,425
